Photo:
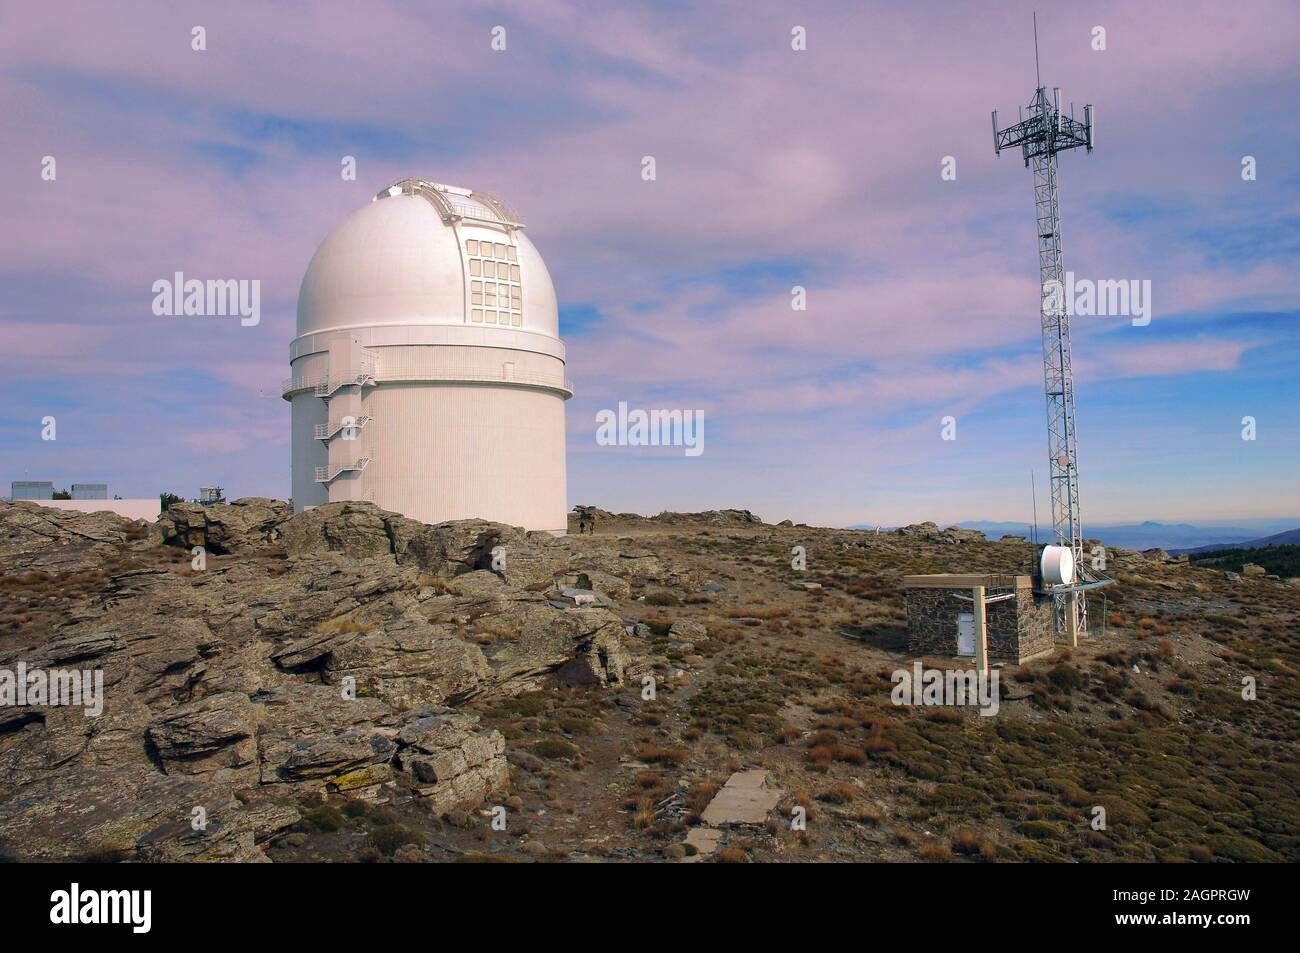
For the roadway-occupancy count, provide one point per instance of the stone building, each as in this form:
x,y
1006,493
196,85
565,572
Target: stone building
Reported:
x,y
941,616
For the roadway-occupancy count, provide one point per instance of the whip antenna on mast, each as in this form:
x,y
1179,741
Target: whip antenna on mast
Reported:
x,y
1038,76
1033,494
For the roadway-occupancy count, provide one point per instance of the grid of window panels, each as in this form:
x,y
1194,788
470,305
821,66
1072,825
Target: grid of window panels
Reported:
x,y
495,294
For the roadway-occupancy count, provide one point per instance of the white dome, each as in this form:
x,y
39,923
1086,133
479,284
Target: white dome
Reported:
x,y
404,259
428,375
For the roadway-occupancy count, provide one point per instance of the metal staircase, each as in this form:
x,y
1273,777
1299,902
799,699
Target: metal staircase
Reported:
x,y
327,432
343,412
326,389
327,475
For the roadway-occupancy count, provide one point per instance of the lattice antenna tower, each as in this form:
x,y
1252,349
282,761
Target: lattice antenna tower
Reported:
x,y
1042,133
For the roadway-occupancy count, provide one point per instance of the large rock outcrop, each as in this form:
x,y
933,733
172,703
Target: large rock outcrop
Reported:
x,y
315,654
247,525
51,540
362,530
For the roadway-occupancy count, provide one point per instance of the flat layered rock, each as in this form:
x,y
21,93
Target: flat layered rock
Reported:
x,y
408,664
742,800
207,735
126,812
456,762
705,841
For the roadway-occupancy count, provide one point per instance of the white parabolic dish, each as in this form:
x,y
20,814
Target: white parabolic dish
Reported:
x,y
1057,565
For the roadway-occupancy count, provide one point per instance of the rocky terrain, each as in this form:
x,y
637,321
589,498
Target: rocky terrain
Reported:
x,y
348,684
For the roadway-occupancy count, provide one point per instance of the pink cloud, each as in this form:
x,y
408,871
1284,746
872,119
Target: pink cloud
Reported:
x,y
921,292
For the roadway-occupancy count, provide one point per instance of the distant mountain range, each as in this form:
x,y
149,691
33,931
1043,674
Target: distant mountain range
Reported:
x,y
1147,535
1174,537
1289,538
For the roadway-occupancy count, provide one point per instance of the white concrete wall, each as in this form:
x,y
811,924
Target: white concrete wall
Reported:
x,y
451,451
308,452
147,510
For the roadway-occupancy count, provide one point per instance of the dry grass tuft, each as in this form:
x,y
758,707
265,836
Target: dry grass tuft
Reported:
x,y
654,754
935,852
839,793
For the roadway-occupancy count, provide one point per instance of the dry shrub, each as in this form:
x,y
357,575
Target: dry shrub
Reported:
x,y
775,612
935,852
819,739
839,793
839,723
850,755
698,796
787,734
829,706
728,635
820,758
801,798
877,743
868,815
643,818
654,754
968,842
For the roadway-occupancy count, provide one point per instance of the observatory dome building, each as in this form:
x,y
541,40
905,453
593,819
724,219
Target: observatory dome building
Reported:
x,y
428,371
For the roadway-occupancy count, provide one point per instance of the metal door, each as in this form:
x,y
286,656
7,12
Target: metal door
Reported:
x,y
966,633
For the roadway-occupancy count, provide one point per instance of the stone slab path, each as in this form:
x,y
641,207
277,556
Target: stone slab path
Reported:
x,y
704,840
742,800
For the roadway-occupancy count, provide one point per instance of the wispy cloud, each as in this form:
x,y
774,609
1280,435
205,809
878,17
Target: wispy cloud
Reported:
x,y
775,168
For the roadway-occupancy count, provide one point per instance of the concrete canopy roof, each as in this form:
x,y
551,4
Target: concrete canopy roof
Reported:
x,y
959,581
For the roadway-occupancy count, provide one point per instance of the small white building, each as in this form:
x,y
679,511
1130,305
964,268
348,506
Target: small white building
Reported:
x,y
428,371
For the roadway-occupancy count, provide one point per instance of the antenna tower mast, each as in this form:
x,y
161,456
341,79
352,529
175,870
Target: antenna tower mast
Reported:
x,y
1041,135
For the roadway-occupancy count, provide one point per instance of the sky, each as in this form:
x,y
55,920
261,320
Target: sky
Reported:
x,y
775,167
